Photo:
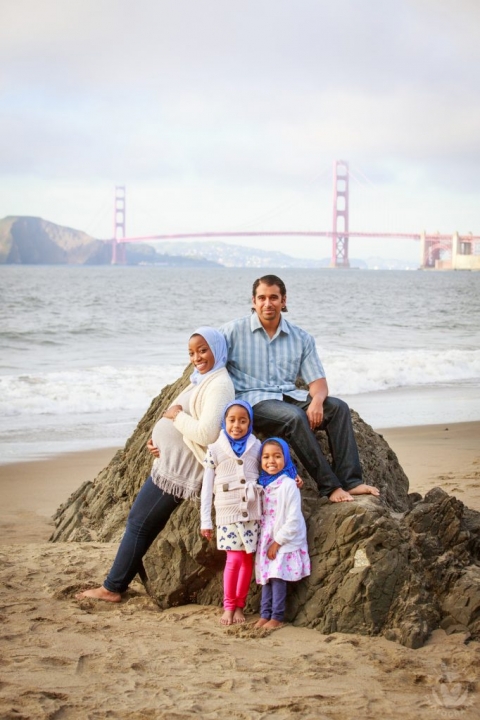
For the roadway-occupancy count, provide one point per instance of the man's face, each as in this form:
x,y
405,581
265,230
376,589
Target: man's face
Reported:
x,y
268,302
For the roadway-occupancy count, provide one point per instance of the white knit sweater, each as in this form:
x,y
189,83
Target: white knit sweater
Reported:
x,y
207,405
233,479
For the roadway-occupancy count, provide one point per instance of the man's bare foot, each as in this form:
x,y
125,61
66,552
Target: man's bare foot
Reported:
x,y
273,624
261,623
340,495
238,616
227,617
100,593
363,489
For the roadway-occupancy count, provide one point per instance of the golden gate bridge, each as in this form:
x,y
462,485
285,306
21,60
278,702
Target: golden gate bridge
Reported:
x,y
437,250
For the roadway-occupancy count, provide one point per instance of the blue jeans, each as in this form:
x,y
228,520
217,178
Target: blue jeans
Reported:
x,y
148,516
274,595
288,420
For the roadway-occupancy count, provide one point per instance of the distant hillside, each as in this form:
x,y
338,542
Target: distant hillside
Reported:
x,y
238,255
33,241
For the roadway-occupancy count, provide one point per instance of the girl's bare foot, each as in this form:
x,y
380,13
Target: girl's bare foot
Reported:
x,y
273,624
260,623
238,616
100,593
227,617
363,489
340,495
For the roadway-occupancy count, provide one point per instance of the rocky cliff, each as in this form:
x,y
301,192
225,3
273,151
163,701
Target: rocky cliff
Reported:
x,y
33,241
399,566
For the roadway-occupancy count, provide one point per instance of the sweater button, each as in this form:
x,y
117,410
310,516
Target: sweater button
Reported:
x,y
243,481
244,514
240,462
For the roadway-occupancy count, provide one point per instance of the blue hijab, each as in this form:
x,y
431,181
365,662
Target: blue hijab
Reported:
x,y
218,346
238,446
289,469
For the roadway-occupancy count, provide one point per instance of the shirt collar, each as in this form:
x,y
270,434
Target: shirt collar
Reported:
x,y
255,324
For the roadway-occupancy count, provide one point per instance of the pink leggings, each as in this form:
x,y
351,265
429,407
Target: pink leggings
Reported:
x,y
236,578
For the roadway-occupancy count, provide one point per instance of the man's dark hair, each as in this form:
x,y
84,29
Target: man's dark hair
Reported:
x,y
270,280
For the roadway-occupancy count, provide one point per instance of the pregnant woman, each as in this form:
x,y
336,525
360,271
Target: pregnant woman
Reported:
x,y
179,440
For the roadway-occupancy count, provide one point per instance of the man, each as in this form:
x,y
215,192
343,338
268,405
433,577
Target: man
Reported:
x,y
266,354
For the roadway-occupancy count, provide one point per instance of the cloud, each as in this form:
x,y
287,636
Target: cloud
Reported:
x,y
242,104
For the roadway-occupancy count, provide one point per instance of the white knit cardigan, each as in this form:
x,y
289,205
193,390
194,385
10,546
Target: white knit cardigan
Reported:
x,y
207,405
233,480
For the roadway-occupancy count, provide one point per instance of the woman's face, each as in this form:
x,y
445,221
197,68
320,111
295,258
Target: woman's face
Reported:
x,y
237,422
200,354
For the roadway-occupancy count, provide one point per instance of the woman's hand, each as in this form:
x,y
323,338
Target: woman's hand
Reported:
x,y
153,449
172,412
207,534
272,551
299,482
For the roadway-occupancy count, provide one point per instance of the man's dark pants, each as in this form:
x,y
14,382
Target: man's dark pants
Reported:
x,y
287,419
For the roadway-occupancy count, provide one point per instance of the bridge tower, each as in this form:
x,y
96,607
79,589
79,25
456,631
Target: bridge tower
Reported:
x,y
118,247
340,215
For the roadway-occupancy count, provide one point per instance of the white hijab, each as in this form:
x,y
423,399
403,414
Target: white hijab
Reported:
x,y
217,344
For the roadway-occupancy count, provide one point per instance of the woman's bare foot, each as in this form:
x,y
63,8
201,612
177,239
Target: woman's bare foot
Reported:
x,y
260,623
273,624
238,616
363,489
340,495
227,617
100,593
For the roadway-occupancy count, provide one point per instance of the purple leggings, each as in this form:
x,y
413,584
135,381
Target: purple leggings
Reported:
x,y
274,595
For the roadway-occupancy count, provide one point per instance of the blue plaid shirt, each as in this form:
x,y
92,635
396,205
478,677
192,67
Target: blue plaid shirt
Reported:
x,y
264,368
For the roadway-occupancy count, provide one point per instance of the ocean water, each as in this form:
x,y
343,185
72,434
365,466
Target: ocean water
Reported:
x,y
85,349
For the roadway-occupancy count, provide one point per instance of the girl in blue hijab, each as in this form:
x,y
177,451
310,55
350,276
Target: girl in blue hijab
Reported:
x,y
282,551
231,472
288,467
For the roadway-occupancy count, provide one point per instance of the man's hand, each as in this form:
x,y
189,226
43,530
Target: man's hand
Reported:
x,y
318,390
315,412
207,534
272,551
153,449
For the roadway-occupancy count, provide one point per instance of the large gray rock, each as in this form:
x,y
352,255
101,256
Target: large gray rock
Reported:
x,y
399,566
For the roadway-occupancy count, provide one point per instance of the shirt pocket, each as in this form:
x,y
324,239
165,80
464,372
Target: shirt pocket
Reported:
x,y
286,369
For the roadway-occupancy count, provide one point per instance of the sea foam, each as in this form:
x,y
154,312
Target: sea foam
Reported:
x,y
109,389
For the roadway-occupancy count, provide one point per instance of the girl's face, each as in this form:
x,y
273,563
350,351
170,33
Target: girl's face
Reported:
x,y
200,354
273,461
237,422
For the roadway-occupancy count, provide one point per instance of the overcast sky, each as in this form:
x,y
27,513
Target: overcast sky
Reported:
x,y
228,115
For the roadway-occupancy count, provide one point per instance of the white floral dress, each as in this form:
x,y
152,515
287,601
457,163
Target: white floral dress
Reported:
x,y
289,566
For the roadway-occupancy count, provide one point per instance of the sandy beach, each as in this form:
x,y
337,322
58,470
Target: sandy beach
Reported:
x,y
62,659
